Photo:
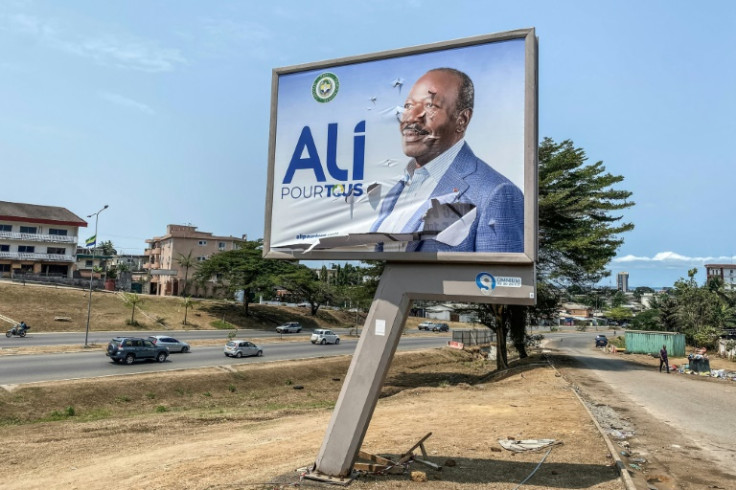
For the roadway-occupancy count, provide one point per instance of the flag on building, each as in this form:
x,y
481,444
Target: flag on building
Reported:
x,y
91,241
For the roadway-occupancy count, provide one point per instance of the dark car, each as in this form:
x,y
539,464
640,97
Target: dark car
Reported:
x,y
601,341
130,349
440,327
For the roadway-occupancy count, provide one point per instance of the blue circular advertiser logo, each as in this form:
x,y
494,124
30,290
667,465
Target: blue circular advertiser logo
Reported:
x,y
325,87
485,282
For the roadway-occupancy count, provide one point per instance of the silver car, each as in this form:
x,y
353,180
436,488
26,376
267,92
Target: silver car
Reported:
x,y
169,342
289,327
322,336
242,348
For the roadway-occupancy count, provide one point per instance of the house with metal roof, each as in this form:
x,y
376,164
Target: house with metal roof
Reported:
x,y
37,239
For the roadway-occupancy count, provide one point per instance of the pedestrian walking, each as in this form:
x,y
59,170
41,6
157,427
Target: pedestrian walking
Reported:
x,y
663,360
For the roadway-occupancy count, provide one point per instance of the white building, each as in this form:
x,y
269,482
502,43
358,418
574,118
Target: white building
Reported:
x,y
37,239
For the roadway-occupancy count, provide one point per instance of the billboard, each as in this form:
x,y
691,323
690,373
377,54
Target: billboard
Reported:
x,y
419,154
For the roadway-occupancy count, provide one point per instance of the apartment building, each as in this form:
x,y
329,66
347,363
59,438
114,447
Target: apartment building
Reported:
x,y
727,273
164,253
37,239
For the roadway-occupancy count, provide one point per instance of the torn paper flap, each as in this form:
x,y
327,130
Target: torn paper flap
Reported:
x,y
440,216
358,239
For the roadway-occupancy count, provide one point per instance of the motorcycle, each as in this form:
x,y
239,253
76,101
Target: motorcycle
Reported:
x,y
19,329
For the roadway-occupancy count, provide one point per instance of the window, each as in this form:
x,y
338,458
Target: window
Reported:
x,y
88,263
4,267
6,227
26,248
28,229
201,259
221,245
4,248
56,250
202,243
57,231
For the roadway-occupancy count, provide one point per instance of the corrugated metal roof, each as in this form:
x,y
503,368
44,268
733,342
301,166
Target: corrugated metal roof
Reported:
x,y
16,211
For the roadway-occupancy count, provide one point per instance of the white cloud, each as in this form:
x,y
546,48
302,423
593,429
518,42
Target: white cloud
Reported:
x,y
673,258
123,101
126,52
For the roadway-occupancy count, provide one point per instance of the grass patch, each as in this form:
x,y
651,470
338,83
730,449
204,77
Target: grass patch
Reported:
x,y
222,325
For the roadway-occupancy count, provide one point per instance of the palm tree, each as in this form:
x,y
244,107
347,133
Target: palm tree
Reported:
x,y
185,261
188,303
132,300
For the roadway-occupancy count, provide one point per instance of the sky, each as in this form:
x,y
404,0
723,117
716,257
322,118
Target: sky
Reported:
x,y
160,109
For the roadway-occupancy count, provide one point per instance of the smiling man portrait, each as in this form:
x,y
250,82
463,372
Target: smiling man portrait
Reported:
x,y
444,170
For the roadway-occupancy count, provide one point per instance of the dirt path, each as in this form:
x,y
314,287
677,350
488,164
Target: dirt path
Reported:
x,y
661,456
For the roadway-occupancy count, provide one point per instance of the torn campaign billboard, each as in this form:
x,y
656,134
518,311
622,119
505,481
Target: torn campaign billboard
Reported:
x,y
419,154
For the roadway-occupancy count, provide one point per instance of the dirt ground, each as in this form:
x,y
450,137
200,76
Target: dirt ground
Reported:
x,y
662,459
253,426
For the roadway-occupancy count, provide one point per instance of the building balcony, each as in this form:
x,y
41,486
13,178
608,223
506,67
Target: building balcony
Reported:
x,y
152,251
35,257
37,237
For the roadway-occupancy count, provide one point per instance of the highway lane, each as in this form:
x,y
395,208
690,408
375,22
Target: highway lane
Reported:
x,y
102,338
20,369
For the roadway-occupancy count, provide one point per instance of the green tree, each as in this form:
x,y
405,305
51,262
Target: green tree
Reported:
x,y
243,269
187,303
304,283
187,262
618,314
107,248
667,307
580,228
132,300
647,320
619,299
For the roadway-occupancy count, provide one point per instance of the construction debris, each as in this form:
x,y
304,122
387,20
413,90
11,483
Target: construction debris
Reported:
x,y
524,445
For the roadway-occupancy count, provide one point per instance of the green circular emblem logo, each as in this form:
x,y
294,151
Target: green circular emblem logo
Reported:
x,y
325,87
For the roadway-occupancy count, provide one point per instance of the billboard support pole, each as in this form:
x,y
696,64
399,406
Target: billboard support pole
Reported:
x,y
399,285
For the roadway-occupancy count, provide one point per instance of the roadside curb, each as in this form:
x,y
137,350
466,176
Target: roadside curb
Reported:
x,y
622,471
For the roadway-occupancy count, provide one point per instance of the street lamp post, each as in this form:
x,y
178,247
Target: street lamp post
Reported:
x,y
92,273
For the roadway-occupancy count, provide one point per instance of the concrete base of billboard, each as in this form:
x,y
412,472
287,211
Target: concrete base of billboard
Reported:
x,y
400,284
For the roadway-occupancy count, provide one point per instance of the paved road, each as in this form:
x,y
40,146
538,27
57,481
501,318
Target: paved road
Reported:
x,y
93,363
703,411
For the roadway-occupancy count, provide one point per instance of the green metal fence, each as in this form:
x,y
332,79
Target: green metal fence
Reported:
x,y
639,342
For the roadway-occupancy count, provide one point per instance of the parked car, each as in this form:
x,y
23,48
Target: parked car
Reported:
x,y
322,336
289,327
425,326
130,349
601,341
170,343
242,348
440,327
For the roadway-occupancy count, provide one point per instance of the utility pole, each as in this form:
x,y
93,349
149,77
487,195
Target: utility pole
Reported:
x,y
92,273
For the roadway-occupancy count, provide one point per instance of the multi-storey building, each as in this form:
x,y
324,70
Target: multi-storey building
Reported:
x,y
164,254
622,282
727,273
91,259
37,239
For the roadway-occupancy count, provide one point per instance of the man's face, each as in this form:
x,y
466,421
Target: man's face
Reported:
x,y
429,124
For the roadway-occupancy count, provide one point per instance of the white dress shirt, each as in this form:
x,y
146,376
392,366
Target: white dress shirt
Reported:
x,y
420,183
